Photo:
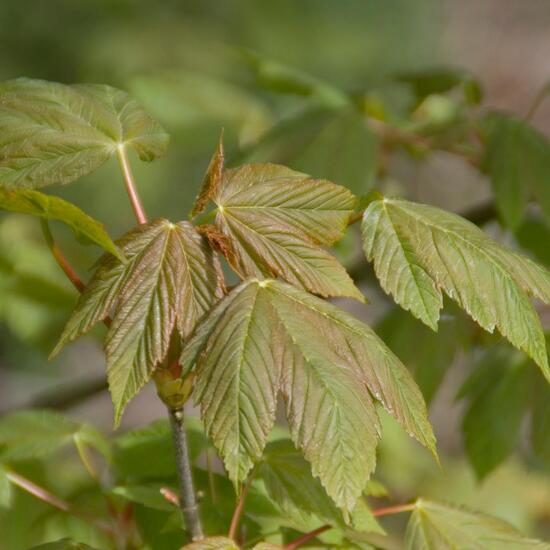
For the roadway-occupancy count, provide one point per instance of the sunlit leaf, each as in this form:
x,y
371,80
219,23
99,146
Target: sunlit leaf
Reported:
x,y
518,160
36,434
419,251
53,208
54,133
278,219
435,526
167,283
5,488
330,365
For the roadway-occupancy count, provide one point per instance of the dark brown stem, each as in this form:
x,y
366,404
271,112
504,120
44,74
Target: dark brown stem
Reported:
x,y
61,259
131,185
188,498
306,538
238,512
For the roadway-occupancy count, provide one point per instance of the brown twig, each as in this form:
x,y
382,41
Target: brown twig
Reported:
x,y
306,538
54,501
238,512
61,259
393,510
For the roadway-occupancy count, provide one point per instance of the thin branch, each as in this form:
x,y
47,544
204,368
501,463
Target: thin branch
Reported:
x,y
537,102
306,538
393,510
188,499
61,259
238,512
131,185
45,496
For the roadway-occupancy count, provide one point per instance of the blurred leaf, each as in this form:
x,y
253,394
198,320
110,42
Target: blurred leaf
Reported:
x,y
277,219
540,422
63,544
427,354
185,98
148,495
533,234
283,79
37,434
318,339
432,81
5,488
517,158
54,133
169,281
419,250
54,208
133,451
435,526
213,543
497,395
336,144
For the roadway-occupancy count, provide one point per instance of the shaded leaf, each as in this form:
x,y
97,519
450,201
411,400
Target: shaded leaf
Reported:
x,y
213,543
444,527
277,219
517,158
497,394
54,133
168,282
36,434
426,354
419,250
54,208
540,422
63,544
289,483
5,488
331,364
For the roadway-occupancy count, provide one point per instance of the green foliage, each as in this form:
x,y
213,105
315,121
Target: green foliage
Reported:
x,y
63,544
53,208
53,133
441,527
168,282
419,250
517,158
275,325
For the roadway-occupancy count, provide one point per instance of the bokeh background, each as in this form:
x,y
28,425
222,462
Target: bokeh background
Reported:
x,y
260,69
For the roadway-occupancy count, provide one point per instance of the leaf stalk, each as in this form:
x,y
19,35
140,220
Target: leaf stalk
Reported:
x,y
130,184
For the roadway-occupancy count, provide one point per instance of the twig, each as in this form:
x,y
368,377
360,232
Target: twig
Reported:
x,y
61,259
238,512
393,510
188,499
131,185
47,497
306,538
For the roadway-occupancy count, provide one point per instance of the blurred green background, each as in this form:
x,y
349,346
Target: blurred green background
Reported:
x,y
272,74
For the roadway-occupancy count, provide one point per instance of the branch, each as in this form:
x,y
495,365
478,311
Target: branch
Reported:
x,y
390,510
61,259
306,538
238,511
131,185
47,497
188,499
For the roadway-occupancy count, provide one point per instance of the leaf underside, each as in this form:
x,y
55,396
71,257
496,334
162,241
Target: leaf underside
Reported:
x,y
270,337
212,543
279,220
39,204
435,526
170,279
419,251
55,133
